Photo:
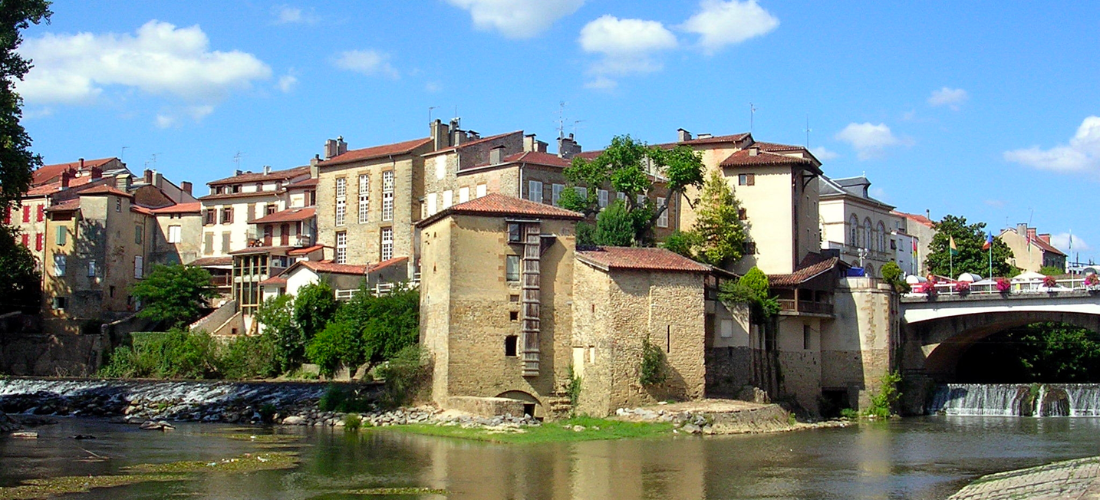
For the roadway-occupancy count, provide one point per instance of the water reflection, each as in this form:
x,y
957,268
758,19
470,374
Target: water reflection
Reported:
x,y
922,458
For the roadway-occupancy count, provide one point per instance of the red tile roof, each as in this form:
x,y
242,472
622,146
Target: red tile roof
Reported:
x,y
640,259
527,157
495,204
812,266
477,141
718,139
919,219
229,196
212,261
105,189
325,266
776,147
47,173
744,157
306,250
397,148
302,184
141,210
1046,247
180,208
291,215
274,280
65,206
387,263
275,175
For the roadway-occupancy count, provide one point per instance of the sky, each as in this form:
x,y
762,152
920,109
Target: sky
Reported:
x,y
986,110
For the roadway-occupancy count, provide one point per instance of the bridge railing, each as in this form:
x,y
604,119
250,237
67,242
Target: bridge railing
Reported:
x,y
1029,287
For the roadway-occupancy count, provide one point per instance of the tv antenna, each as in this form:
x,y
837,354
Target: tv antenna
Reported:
x,y
575,122
752,116
237,159
154,160
808,130
430,108
561,119
122,158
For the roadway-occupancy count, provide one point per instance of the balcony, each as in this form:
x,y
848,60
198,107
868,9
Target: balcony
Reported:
x,y
793,307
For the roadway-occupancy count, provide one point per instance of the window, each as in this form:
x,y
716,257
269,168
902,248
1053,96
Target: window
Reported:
x,y
26,213
313,197
448,200
602,195
662,221
511,343
225,242
118,204
581,191
806,337
641,200
749,248
139,267
91,268
58,265
433,205
511,268
341,200
726,329
513,315
208,243
38,241
481,190
269,231
59,302
387,244
555,192
139,234
514,233
41,213
364,198
208,217
742,214
227,215
621,196
341,247
463,194
867,236
534,191
270,209
62,235
175,234
881,237
26,240
746,179
387,196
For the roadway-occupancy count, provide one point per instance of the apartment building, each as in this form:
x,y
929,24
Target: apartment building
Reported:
x,y
866,231
1032,251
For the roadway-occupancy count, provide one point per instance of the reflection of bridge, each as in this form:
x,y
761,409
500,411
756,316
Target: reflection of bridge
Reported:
x,y
935,333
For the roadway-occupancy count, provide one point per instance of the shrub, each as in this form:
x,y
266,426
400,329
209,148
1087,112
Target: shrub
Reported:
x,y
352,422
404,375
249,357
652,370
882,404
314,307
183,354
289,342
574,391
338,344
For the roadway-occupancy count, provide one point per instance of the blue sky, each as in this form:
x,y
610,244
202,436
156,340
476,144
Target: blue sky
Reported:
x,y
983,109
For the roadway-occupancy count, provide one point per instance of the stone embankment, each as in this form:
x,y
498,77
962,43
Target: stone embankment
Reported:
x,y
720,416
1070,480
429,415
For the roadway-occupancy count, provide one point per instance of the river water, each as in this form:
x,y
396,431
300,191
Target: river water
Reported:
x,y
916,458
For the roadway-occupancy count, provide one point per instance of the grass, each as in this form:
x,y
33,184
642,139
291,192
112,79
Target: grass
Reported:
x,y
595,429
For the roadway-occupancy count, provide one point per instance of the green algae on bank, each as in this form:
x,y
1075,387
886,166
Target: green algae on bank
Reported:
x,y
386,491
570,430
249,462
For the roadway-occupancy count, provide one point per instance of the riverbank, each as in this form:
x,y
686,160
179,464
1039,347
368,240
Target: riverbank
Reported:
x,y
1069,480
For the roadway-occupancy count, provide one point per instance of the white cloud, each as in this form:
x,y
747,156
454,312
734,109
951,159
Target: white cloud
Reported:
x,y
995,203
719,24
952,98
165,121
869,140
1082,152
517,18
285,14
287,83
601,83
626,46
824,154
1061,242
367,62
158,59
433,87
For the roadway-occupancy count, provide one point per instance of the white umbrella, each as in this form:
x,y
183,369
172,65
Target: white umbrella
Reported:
x,y
913,279
969,277
1028,277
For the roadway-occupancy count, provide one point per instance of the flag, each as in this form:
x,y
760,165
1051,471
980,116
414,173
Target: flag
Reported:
x,y
954,250
914,240
988,241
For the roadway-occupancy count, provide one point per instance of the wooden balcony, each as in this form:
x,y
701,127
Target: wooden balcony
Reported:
x,y
799,307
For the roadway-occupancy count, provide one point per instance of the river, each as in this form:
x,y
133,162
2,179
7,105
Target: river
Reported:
x,y
915,458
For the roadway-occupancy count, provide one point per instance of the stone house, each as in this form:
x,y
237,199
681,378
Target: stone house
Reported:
x,y
509,307
1032,251
177,234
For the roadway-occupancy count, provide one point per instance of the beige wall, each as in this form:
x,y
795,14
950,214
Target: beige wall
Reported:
x,y
189,247
836,217
856,346
245,209
1031,259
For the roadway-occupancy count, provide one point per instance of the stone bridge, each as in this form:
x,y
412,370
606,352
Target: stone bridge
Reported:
x,y
935,333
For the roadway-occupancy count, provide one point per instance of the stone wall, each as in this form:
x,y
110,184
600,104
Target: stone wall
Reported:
x,y
857,346
729,370
45,354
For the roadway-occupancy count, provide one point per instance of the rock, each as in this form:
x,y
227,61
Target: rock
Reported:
x,y
691,429
157,426
578,428
80,437
294,420
25,435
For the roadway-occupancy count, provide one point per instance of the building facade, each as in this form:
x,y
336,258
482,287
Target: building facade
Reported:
x,y
862,228
1032,251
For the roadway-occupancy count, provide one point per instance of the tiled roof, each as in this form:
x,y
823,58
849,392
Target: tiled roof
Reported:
x,y
275,175
305,183
919,219
718,139
811,266
212,261
274,280
776,147
501,205
476,141
744,157
105,189
306,250
387,263
1047,247
325,266
530,158
640,259
291,215
229,196
180,208
259,249
43,189
47,173
141,210
65,206
397,148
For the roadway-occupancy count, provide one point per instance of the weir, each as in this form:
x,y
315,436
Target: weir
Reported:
x,y
1011,400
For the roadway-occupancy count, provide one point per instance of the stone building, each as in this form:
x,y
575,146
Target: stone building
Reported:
x,y
508,306
1032,251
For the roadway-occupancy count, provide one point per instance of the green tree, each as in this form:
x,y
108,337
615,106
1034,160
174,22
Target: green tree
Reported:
x,y
387,324
1052,271
174,294
16,160
683,242
314,308
277,316
615,226
20,284
626,166
338,344
751,289
970,258
718,223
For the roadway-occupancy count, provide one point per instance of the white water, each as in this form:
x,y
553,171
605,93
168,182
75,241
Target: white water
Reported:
x,y
1073,400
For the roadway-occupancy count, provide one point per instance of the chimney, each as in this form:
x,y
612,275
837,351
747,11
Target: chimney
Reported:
x,y
64,180
82,164
568,147
267,169
1031,234
341,146
1045,238
473,136
458,137
96,173
314,166
330,149
123,182
1021,229
148,176
440,134
753,151
704,136
683,135
496,155
185,186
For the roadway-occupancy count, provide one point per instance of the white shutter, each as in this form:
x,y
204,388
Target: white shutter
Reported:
x,y
139,266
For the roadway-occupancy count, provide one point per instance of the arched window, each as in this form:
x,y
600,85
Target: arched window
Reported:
x,y
853,230
868,240
881,237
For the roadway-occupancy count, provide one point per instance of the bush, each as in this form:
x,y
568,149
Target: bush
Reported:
x,y
404,375
338,344
352,422
174,354
652,370
314,307
342,399
882,404
289,342
249,357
